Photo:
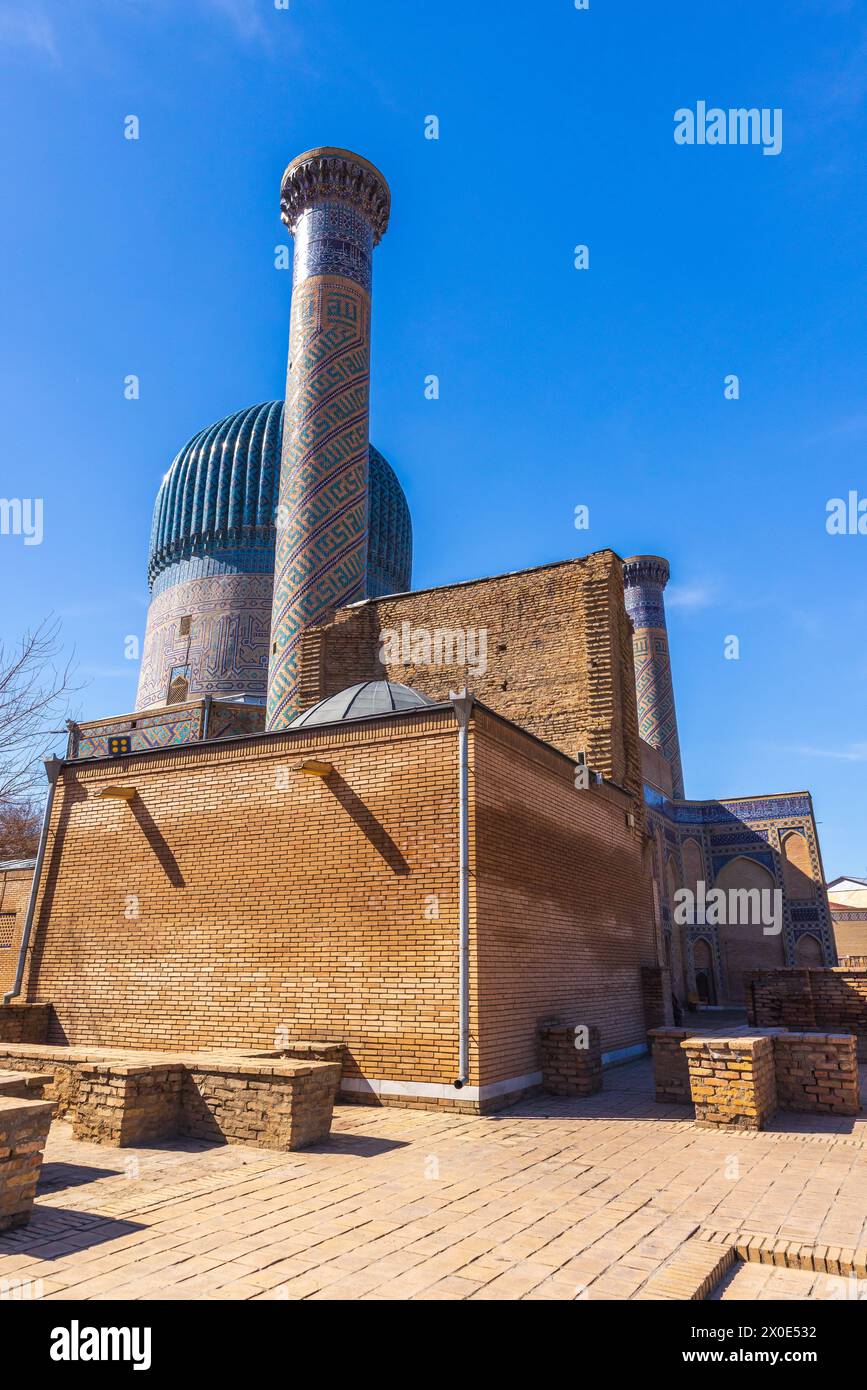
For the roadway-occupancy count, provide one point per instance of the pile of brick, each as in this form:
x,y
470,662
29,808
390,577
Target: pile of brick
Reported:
x,y
23,1131
732,1081
571,1059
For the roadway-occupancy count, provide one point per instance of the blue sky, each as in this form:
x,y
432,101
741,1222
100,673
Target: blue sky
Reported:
x,y
558,387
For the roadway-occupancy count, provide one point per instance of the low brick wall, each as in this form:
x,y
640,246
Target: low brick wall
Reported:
x,y
279,1105
732,1081
567,1069
23,1131
24,1023
817,1073
62,1065
125,1105
829,1000
670,1065
122,1098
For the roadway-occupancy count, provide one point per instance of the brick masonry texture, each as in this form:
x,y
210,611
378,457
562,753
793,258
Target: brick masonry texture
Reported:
x,y
60,1064
272,1107
670,1066
656,996
559,656
24,1023
560,1197
850,935
24,1085
14,893
204,913
817,1073
830,1000
123,1105
732,1081
562,901
567,1068
23,1132
129,1098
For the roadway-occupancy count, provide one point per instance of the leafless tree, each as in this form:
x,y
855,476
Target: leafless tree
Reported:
x,y
35,687
19,829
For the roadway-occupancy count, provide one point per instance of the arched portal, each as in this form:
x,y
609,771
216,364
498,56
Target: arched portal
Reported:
x,y
751,936
693,864
705,975
808,951
797,873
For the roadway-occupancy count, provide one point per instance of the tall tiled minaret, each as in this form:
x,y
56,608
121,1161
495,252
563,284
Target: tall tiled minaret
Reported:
x,y
336,205
644,578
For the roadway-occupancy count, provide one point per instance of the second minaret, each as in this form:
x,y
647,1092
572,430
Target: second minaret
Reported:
x,y
644,579
336,205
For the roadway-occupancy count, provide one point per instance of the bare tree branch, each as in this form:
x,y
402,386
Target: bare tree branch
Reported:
x,y
35,688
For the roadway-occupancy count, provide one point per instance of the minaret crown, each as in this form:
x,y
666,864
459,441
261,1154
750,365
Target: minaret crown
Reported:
x,y
328,173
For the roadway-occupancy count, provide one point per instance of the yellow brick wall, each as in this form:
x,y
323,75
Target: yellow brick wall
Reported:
x,y
564,903
234,897
14,896
265,898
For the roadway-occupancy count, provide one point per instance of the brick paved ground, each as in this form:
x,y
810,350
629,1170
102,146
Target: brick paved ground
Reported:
x,y
547,1200
751,1282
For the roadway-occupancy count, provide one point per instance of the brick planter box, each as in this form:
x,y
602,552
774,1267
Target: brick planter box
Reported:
x,y
670,1065
817,1073
568,1070
732,1081
23,1131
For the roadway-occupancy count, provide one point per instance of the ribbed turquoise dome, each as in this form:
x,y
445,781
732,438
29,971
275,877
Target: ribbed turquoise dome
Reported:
x,y
219,497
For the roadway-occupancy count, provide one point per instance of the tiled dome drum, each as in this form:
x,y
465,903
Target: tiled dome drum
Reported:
x,y
211,562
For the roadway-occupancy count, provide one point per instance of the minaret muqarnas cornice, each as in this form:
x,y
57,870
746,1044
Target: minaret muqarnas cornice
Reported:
x,y
337,207
328,172
644,580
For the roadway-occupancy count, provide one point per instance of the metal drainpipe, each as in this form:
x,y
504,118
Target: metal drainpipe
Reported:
x,y
52,772
463,707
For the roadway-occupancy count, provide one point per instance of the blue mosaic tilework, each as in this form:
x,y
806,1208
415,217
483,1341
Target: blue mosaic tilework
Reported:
x,y
215,509
733,812
321,553
333,238
766,858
